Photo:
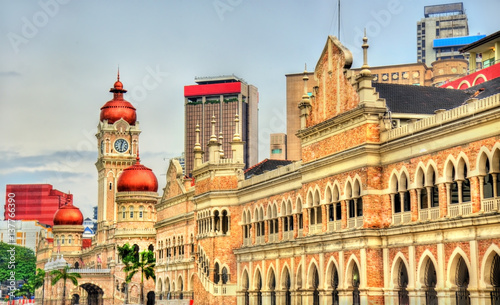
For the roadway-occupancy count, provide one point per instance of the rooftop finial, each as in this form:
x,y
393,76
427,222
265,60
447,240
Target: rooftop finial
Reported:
x,y
213,137
236,136
365,68
118,78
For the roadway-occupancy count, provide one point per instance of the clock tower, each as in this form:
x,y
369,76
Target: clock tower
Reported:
x,y
117,142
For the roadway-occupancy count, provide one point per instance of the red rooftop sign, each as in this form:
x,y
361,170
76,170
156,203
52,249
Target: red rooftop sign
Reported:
x,y
212,89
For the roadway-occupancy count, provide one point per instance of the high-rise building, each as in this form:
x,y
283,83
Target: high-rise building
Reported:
x,y
221,98
25,233
278,146
294,91
441,21
34,202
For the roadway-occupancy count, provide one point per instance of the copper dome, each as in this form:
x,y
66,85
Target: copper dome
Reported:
x,y
118,108
137,178
68,215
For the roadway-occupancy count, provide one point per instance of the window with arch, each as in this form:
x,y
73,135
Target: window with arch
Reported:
x,y
62,239
356,300
124,213
315,213
495,280
70,240
131,209
216,273
287,220
224,275
315,286
272,223
287,286
258,288
400,197
259,224
334,208
462,281
429,193
272,288
141,212
247,227
491,182
300,216
225,222
430,280
354,205
403,296
334,282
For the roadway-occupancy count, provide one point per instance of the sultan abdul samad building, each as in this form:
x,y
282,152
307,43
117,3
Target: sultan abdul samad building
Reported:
x,y
374,213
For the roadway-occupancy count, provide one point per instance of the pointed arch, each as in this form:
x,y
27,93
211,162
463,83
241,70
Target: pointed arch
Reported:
x,y
484,157
311,276
490,265
453,266
331,268
349,277
421,269
399,258
393,182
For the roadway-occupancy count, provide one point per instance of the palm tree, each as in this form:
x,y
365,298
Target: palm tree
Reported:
x,y
63,274
126,253
146,266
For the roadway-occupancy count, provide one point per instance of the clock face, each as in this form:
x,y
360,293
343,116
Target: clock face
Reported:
x,y
121,145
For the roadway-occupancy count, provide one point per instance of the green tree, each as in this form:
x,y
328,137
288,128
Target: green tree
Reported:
x,y
39,281
16,258
126,253
34,282
64,275
146,266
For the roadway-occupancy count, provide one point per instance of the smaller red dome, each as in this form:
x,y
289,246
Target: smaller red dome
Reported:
x,y
68,215
137,178
118,108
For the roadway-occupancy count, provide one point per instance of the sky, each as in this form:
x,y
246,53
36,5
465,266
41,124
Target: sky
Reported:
x,y
58,59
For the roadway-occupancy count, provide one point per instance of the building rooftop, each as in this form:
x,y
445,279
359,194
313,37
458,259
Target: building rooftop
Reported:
x,y
482,44
265,165
218,79
456,41
426,100
440,9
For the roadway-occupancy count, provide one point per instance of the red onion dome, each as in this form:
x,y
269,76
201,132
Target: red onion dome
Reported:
x,y
118,108
137,178
68,215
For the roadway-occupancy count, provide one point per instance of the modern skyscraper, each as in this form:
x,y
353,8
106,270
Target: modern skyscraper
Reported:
x,y
34,202
221,97
441,21
278,146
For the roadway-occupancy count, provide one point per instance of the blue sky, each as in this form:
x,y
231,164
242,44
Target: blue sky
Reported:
x,y
60,57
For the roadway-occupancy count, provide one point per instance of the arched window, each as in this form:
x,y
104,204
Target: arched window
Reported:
x,y
224,275
300,215
403,297
225,222
216,273
272,287
355,285
430,280
217,221
462,282
63,239
124,213
495,280
489,182
335,284
258,287
69,240
131,209
287,284
141,212
315,286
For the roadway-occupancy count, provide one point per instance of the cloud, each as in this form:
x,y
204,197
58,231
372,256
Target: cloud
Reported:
x,y
9,74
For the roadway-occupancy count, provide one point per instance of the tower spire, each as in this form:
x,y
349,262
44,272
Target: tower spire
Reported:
x,y
365,67
236,136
